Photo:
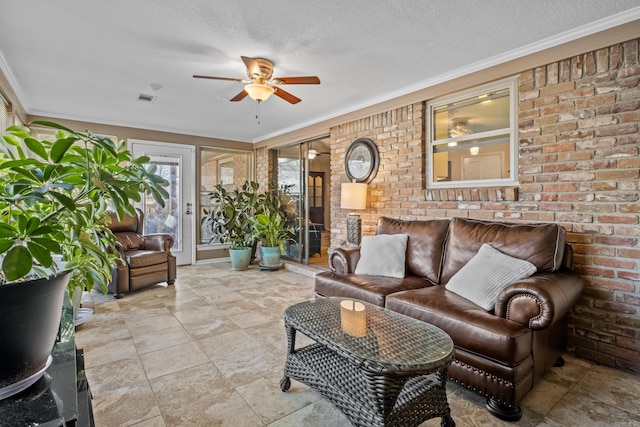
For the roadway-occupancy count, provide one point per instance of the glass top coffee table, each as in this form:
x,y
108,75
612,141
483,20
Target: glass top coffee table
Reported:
x,y
380,368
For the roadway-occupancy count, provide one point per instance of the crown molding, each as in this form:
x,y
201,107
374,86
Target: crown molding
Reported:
x,y
605,32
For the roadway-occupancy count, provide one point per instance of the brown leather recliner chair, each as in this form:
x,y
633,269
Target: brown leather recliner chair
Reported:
x,y
146,259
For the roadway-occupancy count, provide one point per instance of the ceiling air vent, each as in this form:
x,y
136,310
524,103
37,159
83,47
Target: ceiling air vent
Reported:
x,y
146,98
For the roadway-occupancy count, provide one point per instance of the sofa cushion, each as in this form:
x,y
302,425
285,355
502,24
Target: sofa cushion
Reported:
x,y
469,326
540,244
373,289
382,255
424,247
490,271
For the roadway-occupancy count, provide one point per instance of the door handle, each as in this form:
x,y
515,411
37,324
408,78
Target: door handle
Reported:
x,y
188,211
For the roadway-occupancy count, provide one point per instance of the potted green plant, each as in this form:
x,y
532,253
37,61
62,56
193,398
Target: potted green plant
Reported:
x,y
274,233
231,220
278,199
54,198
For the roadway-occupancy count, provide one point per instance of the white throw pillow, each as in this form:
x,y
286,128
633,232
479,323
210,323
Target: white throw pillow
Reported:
x,y
383,255
490,271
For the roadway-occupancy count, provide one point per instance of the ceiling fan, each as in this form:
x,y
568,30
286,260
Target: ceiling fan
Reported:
x,y
313,153
261,85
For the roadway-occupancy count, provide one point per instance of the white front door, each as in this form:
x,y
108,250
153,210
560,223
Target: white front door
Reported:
x,y
176,163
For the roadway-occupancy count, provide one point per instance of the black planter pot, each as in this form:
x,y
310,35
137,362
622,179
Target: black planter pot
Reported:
x,y
29,321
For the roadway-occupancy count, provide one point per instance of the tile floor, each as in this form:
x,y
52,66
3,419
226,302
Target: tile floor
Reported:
x,y
210,351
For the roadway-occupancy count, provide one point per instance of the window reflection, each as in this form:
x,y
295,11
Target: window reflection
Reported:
x,y
472,136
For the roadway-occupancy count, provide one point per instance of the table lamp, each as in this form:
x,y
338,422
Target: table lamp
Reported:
x,y
353,195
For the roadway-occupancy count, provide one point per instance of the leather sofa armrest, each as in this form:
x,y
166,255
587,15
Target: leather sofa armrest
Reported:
x,y
343,260
158,242
540,300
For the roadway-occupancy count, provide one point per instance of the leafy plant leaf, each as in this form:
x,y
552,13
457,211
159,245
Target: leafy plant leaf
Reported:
x,y
7,230
40,253
49,244
36,146
17,263
60,148
66,201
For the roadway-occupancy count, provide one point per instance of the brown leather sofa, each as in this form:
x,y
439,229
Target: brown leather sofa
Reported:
x,y
501,353
145,259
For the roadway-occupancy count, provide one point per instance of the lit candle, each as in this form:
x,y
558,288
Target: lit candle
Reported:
x,y
353,319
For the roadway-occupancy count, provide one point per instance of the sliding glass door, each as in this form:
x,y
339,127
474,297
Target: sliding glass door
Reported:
x,y
303,172
289,173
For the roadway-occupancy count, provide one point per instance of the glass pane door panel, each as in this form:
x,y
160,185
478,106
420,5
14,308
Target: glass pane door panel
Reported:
x,y
219,166
289,167
165,219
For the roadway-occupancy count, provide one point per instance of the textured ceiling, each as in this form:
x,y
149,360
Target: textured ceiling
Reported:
x,y
90,59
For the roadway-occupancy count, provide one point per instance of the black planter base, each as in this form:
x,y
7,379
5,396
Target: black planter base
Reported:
x,y
29,321
24,383
504,412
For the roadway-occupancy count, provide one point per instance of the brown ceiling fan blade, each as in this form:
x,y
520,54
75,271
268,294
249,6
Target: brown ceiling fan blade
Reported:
x,y
302,80
217,78
240,96
253,68
286,96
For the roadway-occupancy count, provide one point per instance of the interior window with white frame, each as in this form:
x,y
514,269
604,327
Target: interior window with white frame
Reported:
x,y
472,137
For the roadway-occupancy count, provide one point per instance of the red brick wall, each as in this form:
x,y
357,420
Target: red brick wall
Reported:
x,y
398,188
580,161
579,166
264,167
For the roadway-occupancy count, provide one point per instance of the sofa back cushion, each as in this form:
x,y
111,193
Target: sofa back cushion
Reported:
x,y
540,244
424,245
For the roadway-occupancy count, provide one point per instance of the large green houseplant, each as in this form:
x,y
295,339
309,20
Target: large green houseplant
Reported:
x,y
242,216
231,220
54,198
273,231
272,211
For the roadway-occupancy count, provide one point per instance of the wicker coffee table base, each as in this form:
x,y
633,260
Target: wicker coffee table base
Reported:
x,y
368,398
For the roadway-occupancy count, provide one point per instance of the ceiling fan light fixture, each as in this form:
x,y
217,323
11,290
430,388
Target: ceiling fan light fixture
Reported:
x,y
312,154
259,92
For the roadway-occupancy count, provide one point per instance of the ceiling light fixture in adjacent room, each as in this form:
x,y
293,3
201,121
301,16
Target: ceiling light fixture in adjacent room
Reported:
x,y
459,127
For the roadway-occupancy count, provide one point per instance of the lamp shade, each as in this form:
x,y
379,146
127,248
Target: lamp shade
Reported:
x,y
353,195
259,92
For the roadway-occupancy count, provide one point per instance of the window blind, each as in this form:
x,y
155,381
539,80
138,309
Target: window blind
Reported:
x,y
5,116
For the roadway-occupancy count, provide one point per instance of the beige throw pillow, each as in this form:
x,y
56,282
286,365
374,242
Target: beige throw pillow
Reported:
x,y
383,255
490,271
